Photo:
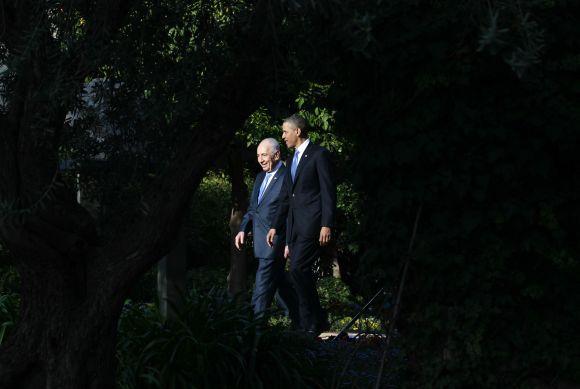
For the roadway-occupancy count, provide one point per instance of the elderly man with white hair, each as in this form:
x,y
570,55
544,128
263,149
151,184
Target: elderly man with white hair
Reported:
x,y
264,202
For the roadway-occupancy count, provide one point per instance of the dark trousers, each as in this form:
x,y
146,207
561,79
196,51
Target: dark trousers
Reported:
x,y
303,254
272,279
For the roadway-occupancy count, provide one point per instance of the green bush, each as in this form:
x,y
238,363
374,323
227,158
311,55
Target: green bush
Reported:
x,y
206,278
207,229
341,305
488,150
9,279
216,343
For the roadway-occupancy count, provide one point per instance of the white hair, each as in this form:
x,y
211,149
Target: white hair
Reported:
x,y
273,143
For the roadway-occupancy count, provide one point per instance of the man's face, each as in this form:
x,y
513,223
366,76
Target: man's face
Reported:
x,y
266,159
290,134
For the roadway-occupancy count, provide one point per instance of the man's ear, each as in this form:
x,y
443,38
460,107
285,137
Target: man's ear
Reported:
x,y
298,131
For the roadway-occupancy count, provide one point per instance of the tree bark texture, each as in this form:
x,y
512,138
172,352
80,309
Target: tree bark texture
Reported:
x,y
61,341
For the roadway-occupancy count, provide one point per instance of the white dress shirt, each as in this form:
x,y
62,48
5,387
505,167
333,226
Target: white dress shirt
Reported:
x,y
301,149
267,179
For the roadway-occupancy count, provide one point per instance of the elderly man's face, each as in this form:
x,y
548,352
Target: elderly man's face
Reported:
x,y
290,134
266,158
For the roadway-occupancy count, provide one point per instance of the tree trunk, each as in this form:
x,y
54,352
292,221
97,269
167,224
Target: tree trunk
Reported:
x,y
238,262
73,285
171,280
62,339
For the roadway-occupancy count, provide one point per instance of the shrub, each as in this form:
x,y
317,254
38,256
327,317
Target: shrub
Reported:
x,y
215,343
341,305
9,280
207,228
8,313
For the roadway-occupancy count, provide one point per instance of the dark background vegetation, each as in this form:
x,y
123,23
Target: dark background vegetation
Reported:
x,y
467,109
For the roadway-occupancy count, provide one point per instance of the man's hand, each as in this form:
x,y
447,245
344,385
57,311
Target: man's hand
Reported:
x,y
324,236
286,252
239,241
270,237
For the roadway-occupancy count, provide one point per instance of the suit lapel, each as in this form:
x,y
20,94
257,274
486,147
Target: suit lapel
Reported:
x,y
277,176
289,167
303,161
259,178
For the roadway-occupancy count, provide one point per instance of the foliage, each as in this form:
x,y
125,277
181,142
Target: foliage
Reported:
x,y
206,278
166,78
206,229
170,60
260,125
467,108
475,121
8,313
9,278
216,343
336,298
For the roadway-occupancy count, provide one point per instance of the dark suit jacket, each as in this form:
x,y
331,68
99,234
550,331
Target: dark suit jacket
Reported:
x,y
308,203
261,216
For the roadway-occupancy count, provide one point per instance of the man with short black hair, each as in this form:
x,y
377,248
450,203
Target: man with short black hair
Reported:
x,y
307,210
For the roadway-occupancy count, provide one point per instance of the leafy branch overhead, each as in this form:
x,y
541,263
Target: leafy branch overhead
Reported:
x,y
512,32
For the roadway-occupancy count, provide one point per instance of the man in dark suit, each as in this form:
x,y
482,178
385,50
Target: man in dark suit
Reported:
x,y
264,203
307,210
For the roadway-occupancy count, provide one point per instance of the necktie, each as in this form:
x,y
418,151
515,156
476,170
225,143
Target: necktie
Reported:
x,y
263,187
294,164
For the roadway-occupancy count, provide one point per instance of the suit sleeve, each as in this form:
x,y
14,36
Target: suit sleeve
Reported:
x,y
327,189
246,223
283,205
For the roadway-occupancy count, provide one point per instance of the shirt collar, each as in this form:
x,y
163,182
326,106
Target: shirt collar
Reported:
x,y
275,168
303,146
